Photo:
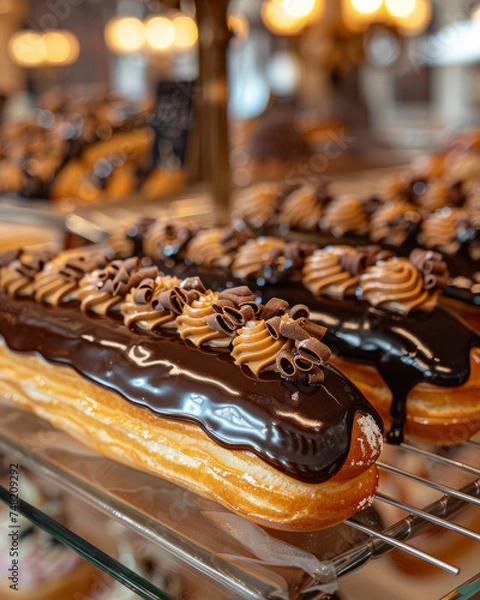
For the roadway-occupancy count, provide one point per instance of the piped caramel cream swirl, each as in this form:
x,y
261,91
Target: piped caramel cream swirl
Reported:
x,y
324,275
138,310
215,247
435,195
255,204
58,282
256,254
103,291
166,239
392,222
396,286
344,215
440,228
255,347
17,277
192,323
302,209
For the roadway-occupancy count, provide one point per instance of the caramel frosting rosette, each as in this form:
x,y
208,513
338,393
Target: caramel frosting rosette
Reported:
x,y
345,214
143,307
393,222
440,228
334,271
324,275
128,239
214,247
270,257
103,291
18,270
255,205
167,238
59,280
472,202
402,285
434,194
302,209
192,323
283,340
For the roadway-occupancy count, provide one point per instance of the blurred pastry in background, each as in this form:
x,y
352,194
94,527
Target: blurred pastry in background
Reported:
x,y
48,570
84,144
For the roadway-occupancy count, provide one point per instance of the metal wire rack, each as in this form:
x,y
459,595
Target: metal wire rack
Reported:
x,y
370,541
418,520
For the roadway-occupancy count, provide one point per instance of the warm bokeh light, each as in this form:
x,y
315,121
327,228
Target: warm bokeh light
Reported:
x,y
417,21
299,9
27,48
238,25
366,7
125,35
289,17
159,33
359,14
61,47
401,8
186,32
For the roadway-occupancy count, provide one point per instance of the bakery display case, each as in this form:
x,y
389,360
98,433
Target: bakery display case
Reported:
x,y
200,549
153,154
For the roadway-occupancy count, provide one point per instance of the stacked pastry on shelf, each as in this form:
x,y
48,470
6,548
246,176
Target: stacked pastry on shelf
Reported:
x,y
412,212
47,570
229,397
416,361
82,144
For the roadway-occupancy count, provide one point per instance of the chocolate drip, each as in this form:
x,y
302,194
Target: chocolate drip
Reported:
x,y
434,348
302,430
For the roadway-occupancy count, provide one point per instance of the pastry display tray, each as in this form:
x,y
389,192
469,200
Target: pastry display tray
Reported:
x,y
225,552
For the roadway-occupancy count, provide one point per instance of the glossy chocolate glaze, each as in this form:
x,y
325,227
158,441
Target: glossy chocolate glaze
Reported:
x,y
303,430
431,347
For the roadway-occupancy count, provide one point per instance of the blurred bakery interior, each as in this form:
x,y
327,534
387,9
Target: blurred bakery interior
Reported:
x,y
113,112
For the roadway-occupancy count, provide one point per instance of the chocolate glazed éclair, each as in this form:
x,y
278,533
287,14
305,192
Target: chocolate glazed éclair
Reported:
x,y
406,349
302,430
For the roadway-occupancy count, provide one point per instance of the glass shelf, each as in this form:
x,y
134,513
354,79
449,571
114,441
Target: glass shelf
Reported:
x,y
212,551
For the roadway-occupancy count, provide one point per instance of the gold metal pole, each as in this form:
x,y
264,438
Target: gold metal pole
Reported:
x,y
214,37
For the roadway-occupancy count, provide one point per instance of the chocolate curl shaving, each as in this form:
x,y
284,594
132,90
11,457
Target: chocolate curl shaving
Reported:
x,y
273,326
255,307
274,307
316,376
235,236
295,252
9,256
315,330
355,264
302,363
286,366
107,287
237,295
144,292
382,255
365,256
75,268
229,318
221,303
33,265
193,283
313,350
221,323
247,312
432,267
293,330
174,299
299,311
